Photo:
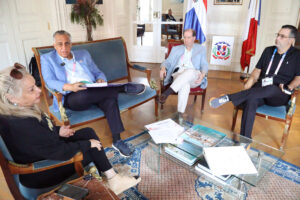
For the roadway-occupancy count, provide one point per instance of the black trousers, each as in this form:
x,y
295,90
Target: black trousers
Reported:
x,y
57,175
254,97
105,98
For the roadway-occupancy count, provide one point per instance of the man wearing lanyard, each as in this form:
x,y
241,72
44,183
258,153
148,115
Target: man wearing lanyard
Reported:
x,y
66,71
276,75
187,65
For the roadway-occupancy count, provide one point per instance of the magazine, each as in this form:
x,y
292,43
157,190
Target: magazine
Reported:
x,y
202,136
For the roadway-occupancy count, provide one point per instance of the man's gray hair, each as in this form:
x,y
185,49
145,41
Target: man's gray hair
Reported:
x,y
62,32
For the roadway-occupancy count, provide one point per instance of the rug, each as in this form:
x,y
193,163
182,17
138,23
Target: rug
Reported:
x,y
174,182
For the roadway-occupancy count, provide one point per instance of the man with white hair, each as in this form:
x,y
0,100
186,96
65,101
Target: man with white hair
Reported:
x,y
66,71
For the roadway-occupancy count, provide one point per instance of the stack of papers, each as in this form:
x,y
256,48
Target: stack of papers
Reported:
x,y
103,84
89,85
165,131
229,160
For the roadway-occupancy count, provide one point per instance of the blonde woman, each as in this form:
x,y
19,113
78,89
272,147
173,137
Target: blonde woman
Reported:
x,y
30,135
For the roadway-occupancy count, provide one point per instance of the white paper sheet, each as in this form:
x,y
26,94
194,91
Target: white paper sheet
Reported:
x,y
89,85
166,131
229,160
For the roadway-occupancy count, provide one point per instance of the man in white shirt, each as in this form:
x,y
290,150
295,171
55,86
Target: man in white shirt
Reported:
x,y
187,66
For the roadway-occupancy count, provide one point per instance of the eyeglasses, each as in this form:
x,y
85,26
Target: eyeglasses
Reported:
x,y
15,73
281,36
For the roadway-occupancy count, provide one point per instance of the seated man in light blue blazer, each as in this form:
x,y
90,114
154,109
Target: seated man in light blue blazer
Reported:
x,y
186,66
66,71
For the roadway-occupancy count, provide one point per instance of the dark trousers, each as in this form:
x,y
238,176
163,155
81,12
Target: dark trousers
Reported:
x,y
92,155
57,175
254,97
105,98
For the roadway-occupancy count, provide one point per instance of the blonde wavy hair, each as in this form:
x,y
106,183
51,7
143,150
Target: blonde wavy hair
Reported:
x,y
12,86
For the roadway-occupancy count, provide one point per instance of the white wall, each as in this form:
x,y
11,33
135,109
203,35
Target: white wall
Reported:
x,y
229,20
226,20
28,23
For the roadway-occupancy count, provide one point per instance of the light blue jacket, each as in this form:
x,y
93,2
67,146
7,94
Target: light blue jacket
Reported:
x,y
54,73
198,59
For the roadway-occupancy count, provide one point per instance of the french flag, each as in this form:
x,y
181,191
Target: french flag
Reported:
x,y
250,33
195,18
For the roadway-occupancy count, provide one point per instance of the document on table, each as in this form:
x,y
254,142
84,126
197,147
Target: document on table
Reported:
x,y
165,131
229,160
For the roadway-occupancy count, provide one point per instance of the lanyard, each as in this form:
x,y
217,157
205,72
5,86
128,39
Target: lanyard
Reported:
x,y
279,64
73,69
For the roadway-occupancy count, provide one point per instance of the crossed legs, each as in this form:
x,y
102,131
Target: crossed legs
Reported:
x,y
251,99
107,100
184,80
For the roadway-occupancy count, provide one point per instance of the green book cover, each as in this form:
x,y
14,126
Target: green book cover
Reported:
x,y
180,154
202,136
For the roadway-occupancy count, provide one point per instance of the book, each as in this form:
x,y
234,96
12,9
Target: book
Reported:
x,y
229,160
203,167
202,136
104,84
181,155
72,191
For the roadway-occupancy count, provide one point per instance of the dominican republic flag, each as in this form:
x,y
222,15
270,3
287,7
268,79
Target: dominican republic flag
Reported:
x,y
195,18
250,33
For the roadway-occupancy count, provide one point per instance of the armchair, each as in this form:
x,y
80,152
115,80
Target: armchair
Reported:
x,y
194,91
12,170
280,113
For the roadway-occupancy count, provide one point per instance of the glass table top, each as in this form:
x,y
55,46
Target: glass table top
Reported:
x,y
262,155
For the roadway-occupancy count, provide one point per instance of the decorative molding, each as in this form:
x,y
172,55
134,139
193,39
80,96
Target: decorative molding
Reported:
x,y
5,55
29,26
27,44
26,8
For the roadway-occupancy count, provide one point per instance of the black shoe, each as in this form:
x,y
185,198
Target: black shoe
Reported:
x,y
134,88
161,99
123,148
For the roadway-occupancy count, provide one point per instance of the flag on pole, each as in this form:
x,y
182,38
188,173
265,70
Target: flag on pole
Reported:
x,y
195,18
250,33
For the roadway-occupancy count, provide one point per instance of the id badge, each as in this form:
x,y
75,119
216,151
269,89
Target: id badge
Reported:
x,y
267,81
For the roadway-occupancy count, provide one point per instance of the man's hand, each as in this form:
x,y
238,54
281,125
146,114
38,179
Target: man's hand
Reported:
x,y
252,79
162,73
281,85
75,87
249,83
100,81
200,78
96,144
65,131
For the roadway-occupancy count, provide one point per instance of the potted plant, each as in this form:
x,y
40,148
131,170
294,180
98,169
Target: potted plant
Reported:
x,y
84,12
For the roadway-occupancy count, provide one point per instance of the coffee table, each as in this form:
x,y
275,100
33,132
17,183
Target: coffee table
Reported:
x,y
263,157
